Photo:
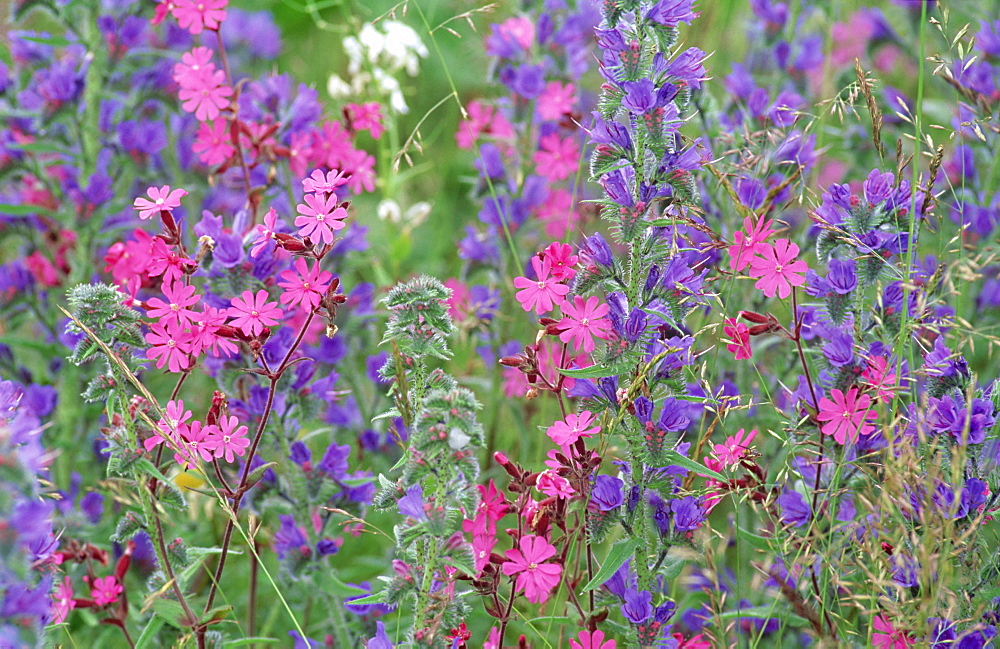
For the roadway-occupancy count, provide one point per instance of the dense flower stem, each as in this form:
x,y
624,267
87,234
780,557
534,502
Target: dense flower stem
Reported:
x,y
236,143
251,453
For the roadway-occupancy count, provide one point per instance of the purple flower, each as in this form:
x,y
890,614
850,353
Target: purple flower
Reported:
x,y
640,96
842,277
412,504
607,493
638,606
334,462
672,415
878,186
610,132
596,250
672,12
300,453
528,81
795,511
617,185
289,537
620,582
327,547
839,350
689,67
688,514
381,640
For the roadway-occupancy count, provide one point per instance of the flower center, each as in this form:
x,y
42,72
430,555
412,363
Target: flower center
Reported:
x,y
225,439
253,313
532,566
777,268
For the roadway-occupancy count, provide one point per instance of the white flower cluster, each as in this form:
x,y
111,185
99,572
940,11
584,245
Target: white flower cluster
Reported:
x,y
376,56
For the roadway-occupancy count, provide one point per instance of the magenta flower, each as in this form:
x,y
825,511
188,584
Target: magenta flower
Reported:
x,y
265,232
196,15
744,243
592,640
171,346
569,430
204,333
777,268
194,65
175,310
542,294
845,415
105,590
739,339
320,217
881,377
886,636
62,602
556,100
558,158
321,183
213,143
306,286
160,200
554,485
251,313
534,577
730,452
560,256
198,442
208,97
583,321
228,438
366,117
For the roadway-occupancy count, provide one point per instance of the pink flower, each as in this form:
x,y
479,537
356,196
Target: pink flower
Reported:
x,y
300,152
554,485
164,260
558,213
558,158
228,438
739,339
175,310
734,448
204,336
777,268
321,183
265,232
196,15
359,165
845,415
251,313
319,218
213,144
556,100
533,576
105,590
160,200
743,248
881,377
306,286
542,294
493,639
194,65
582,321
569,430
208,97
482,119
365,117
886,636
562,260
198,441
171,346
62,602
592,640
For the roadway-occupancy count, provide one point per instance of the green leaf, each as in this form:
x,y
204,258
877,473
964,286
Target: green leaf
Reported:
x,y
217,614
759,542
8,209
149,632
620,553
592,372
766,612
370,599
673,457
258,473
242,642
171,612
54,41
38,147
